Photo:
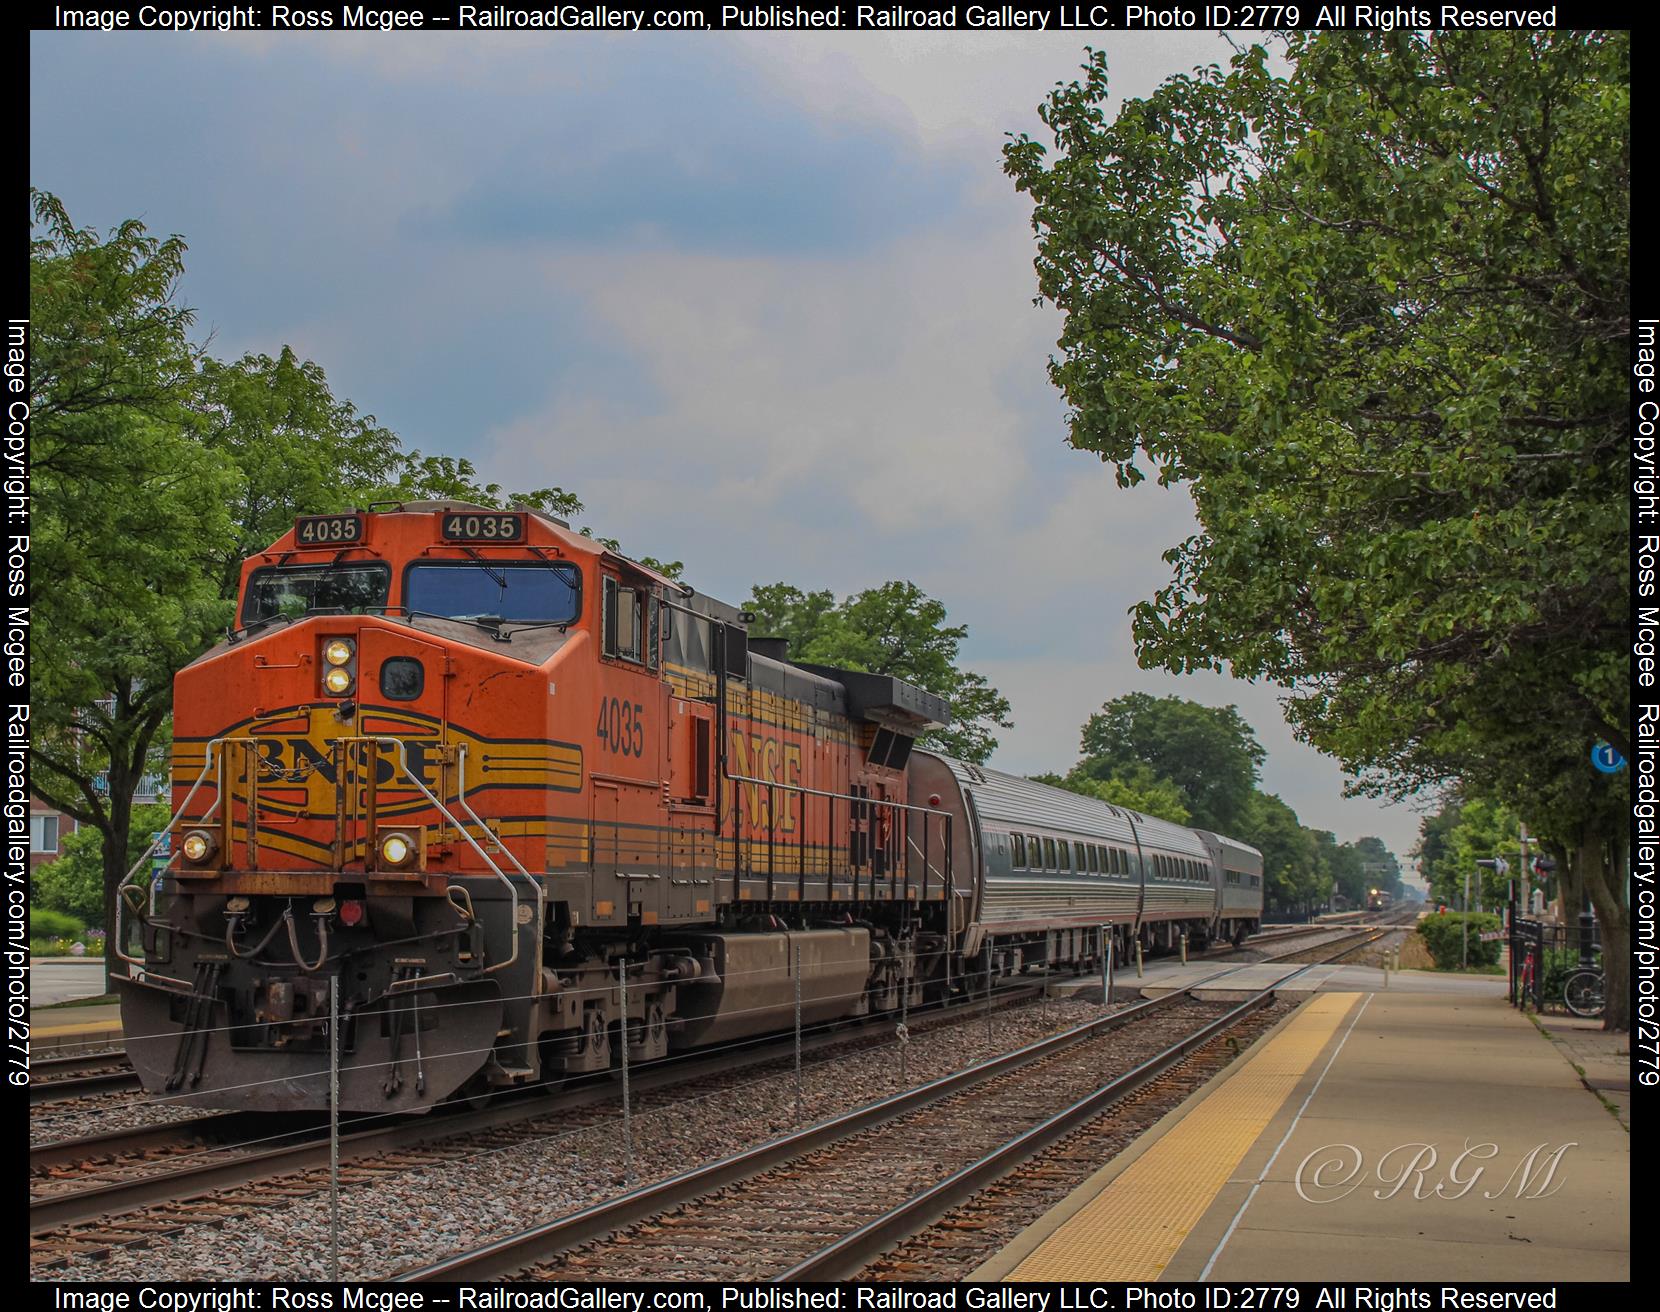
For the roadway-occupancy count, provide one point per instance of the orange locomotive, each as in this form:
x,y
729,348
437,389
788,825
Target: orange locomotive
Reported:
x,y
465,771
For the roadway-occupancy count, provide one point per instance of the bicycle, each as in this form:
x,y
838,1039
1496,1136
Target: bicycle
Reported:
x,y
1582,992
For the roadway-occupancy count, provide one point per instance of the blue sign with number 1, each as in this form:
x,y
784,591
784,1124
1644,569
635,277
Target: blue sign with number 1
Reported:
x,y
1606,759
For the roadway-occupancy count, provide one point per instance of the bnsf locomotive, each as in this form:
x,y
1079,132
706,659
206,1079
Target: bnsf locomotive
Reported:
x,y
493,786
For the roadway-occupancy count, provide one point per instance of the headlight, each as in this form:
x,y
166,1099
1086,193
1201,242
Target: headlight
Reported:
x,y
337,651
197,846
337,680
396,849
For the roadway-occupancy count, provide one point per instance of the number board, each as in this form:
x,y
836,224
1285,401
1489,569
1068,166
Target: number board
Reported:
x,y
327,530
469,527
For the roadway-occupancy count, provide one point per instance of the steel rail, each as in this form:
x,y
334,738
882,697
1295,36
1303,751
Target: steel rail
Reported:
x,y
197,1129
187,1182
501,1256
77,1064
79,1086
847,1256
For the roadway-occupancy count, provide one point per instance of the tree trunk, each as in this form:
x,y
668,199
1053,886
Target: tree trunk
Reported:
x,y
1603,871
116,860
1570,884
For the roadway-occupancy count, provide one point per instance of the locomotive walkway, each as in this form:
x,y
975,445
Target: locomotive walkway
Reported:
x,y
1306,1160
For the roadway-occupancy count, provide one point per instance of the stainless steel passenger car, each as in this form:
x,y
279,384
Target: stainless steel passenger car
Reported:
x,y
1042,872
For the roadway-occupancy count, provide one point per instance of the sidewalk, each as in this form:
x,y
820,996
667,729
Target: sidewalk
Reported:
x,y
1601,1059
1402,1135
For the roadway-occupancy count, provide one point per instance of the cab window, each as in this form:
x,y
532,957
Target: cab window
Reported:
x,y
293,590
622,622
532,593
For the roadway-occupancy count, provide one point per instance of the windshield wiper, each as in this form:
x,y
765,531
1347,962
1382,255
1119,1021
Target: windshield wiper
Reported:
x,y
491,624
496,575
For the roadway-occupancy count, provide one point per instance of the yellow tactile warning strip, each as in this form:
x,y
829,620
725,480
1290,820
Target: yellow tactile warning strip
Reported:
x,y
80,1027
1133,1227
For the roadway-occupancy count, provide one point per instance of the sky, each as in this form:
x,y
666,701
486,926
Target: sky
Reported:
x,y
765,302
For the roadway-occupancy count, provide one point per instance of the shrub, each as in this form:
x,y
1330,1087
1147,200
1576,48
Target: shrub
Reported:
x,y
1443,935
46,923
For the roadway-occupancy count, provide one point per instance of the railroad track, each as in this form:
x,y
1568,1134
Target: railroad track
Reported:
x,y
61,1079
92,1195
894,1164
58,1079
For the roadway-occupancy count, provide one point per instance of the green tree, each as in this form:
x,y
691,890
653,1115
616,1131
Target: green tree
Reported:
x,y
1136,787
894,629
129,510
1375,315
1209,752
1435,846
1382,869
1293,879
74,882
1341,866
294,447
1486,830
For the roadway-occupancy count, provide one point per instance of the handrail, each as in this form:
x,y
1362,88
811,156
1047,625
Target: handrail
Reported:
x,y
120,936
947,874
403,762
541,891
840,797
513,893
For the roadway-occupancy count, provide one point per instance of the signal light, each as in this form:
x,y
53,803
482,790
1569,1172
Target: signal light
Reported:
x,y
351,913
198,846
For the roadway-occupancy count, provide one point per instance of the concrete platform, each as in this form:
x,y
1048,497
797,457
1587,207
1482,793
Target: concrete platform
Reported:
x,y
1346,1146
1235,984
67,1031
63,979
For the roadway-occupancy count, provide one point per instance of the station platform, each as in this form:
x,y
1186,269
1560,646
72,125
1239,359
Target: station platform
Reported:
x,y
68,1031
1333,1151
1216,981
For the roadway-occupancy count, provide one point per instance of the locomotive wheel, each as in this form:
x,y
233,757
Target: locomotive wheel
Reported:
x,y
595,1037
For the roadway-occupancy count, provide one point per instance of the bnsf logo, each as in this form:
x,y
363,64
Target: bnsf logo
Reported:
x,y
300,758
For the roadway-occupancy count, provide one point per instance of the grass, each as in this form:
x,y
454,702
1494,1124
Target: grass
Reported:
x,y
102,1000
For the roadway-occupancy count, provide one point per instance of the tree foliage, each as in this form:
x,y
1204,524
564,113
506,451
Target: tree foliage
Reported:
x,y
129,509
74,882
1374,314
894,629
155,470
1209,753
1135,787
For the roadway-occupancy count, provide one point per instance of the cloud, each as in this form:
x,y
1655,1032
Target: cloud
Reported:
x,y
764,302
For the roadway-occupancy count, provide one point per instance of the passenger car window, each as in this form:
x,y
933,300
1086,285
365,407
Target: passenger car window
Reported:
x,y
1019,859
1049,853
